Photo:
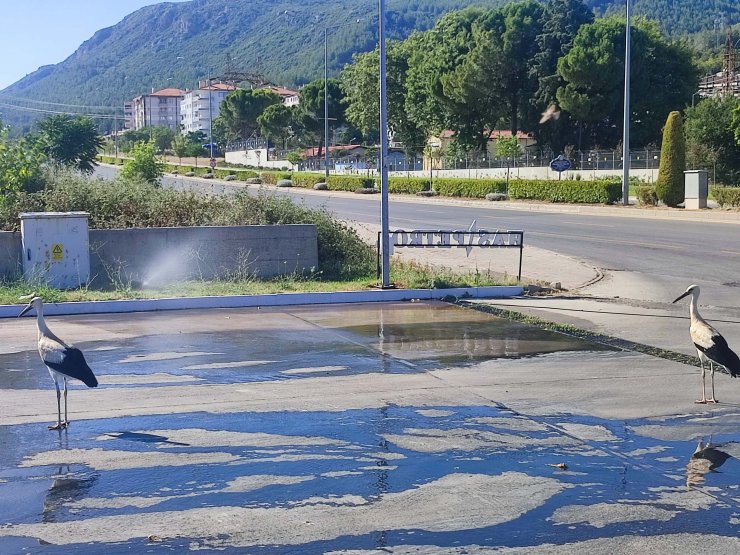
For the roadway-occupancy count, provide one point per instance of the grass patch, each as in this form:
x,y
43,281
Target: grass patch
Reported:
x,y
405,275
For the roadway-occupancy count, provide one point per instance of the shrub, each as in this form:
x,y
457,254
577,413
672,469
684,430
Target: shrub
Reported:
x,y
470,188
408,185
271,178
670,184
593,192
727,197
646,195
145,165
350,182
122,203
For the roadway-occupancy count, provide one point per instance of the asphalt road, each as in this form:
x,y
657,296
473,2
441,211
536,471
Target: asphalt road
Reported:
x,y
666,255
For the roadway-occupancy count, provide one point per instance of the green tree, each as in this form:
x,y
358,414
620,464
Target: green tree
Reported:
x,y
435,98
670,184
144,164
509,149
663,79
361,87
711,138
240,109
70,141
162,137
180,146
561,21
312,107
20,164
275,121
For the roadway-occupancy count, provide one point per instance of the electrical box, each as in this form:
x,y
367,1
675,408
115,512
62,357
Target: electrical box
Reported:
x,y
696,189
56,248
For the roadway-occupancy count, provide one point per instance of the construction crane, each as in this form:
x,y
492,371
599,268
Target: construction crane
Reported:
x,y
710,345
62,360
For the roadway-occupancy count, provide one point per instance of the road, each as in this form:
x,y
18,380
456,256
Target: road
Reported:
x,y
660,257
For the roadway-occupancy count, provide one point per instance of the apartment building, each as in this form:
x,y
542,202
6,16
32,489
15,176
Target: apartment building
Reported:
x,y
160,108
199,107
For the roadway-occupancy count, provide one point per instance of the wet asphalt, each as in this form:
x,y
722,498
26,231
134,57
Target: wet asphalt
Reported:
x,y
379,428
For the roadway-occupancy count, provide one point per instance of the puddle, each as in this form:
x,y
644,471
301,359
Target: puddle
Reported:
x,y
445,470
333,481
403,338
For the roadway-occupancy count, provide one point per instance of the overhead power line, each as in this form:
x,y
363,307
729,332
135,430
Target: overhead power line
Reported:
x,y
49,103
69,113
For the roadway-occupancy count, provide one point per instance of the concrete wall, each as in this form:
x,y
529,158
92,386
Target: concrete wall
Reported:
x,y
10,255
154,256
160,255
531,173
257,158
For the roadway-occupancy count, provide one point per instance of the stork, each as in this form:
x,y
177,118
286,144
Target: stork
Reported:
x,y
62,360
710,345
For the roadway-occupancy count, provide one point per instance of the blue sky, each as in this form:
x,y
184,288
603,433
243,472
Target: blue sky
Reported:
x,y
39,32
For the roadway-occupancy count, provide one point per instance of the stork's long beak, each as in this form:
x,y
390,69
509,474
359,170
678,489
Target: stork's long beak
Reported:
x,y
682,296
29,307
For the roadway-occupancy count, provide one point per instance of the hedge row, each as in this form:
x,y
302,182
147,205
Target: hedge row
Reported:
x,y
567,191
591,192
727,197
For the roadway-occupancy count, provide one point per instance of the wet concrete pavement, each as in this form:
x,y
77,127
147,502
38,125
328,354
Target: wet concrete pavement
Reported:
x,y
384,428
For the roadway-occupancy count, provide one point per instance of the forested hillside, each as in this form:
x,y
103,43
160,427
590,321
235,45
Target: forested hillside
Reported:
x,y
175,44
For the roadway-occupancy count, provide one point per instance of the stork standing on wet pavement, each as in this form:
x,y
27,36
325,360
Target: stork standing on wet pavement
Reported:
x,y
710,345
63,360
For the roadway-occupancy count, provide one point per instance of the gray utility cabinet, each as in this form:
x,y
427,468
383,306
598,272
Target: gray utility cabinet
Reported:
x,y
696,183
56,248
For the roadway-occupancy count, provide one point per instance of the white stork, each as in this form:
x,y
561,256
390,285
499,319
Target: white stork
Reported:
x,y
63,360
710,345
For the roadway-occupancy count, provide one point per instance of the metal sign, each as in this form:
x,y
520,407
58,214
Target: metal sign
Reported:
x,y
560,164
461,239
57,252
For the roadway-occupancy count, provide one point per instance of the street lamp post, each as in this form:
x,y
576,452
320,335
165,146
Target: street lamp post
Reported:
x,y
384,236
626,123
326,107
210,116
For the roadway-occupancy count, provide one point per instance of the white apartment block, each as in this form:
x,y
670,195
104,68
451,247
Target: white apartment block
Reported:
x,y
160,108
200,107
128,115
289,97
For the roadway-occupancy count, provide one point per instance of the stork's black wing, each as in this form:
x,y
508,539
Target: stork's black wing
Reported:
x,y
720,352
74,365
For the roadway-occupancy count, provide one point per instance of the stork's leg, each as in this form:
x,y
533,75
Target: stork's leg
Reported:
x,y
711,376
58,425
703,384
66,422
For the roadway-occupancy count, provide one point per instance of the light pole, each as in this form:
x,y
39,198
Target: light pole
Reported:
x,y
326,98
384,239
693,96
626,123
210,117
326,107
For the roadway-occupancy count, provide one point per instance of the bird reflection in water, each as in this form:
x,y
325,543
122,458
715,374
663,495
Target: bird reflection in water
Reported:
x,y
706,458
66,487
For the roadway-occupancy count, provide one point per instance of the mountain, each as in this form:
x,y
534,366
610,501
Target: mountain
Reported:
x,y
175,44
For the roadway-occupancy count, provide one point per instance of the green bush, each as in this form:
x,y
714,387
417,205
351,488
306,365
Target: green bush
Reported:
x,y
408,185
123,203
271,178
646,195
727,197
592,192
470,188
350,182
670,184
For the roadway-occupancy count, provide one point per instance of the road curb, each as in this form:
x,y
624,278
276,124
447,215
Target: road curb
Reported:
x,y
278,299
